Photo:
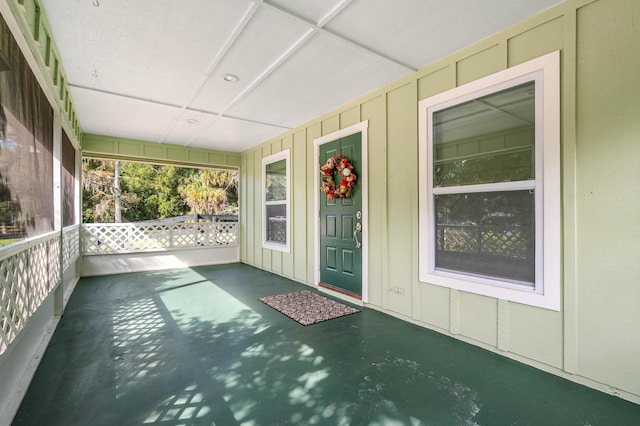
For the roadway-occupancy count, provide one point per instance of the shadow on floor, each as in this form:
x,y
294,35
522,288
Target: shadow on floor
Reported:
x,y
196,347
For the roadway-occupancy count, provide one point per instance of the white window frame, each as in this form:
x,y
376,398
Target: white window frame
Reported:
x,y
282,155
545,70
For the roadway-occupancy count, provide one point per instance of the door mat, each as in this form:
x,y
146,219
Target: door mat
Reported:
x,y
306,307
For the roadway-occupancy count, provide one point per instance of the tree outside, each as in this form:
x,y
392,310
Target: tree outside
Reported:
x,y
147,191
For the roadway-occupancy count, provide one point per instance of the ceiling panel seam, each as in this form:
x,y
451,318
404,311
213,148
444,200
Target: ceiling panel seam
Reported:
x,y
232,117
239,28
269,70
333,13
247,120
313,29
337,36
177,106
121,95
223,52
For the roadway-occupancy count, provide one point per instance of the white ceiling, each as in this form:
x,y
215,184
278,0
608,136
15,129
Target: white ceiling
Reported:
x,y
152,69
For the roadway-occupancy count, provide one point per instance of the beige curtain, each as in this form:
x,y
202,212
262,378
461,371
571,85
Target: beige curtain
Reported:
x,y
26,146
68,181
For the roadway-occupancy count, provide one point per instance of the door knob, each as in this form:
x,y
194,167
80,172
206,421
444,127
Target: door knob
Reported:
x,y
357,229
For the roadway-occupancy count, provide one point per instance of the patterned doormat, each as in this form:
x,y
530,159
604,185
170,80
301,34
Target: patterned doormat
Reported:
x,y
306,307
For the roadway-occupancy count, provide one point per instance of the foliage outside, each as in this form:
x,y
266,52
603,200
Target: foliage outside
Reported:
x,y
149,192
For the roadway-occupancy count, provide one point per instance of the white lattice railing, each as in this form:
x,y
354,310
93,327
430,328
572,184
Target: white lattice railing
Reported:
x,y
107,238
70,245
29,271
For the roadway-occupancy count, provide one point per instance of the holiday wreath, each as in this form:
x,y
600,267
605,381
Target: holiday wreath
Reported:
x,y
344,168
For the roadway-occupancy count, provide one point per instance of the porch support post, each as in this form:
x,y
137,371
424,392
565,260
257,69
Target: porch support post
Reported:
x,y
58,293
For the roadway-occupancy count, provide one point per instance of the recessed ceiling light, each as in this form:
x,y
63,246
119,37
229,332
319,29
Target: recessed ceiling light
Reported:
x,y
231,78
191,121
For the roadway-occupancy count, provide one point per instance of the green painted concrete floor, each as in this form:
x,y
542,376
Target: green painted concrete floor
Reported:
x,y
196,347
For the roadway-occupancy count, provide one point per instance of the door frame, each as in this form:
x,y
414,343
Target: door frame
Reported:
x,y
362,128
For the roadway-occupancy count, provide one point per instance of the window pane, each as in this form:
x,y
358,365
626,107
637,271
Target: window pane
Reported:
x,y
489,234
277,223
486,140
276,181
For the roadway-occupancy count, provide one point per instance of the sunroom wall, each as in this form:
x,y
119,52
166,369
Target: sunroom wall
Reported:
x,y
600,225
31,30
19,362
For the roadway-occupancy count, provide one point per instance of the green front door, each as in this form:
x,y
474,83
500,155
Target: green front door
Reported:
x,y
340,242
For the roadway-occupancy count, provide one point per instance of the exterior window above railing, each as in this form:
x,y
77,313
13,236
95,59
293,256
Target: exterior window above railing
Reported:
x,y
490,185
109,238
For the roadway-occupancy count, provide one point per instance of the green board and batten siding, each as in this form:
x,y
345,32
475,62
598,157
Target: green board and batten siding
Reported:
x,y
594,338
133,149
607,196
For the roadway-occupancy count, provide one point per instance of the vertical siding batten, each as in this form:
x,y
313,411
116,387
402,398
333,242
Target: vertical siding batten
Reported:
x,y
569,105
373,112
299,199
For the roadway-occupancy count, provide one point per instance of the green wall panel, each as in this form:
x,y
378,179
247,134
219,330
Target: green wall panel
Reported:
x,y
535,333
198,156
350,117
402,194
374,111
478,318
330,125
219,158
276,146
435,306
153,151
177,154
276,261
608,199
95,145
480,64
129,149
436,82
536,42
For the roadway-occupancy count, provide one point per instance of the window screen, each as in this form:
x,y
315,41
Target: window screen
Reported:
x,y
489,141
68,181
276,201
26,146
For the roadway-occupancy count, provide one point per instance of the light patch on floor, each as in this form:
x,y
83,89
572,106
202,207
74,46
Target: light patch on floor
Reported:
x,y
206,302
137,347
186,407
